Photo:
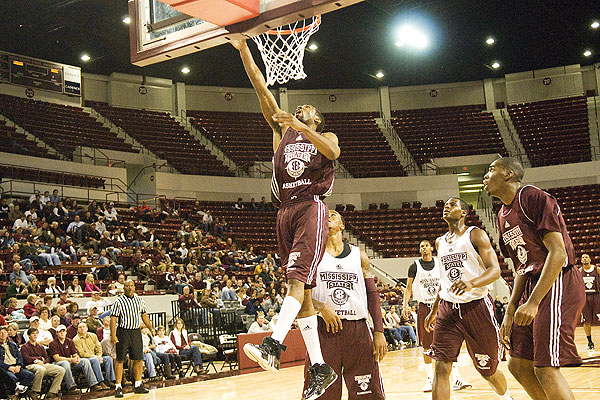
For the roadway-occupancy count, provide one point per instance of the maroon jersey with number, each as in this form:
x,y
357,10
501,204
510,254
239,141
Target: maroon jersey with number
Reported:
x,y
522,226
591,280
300,172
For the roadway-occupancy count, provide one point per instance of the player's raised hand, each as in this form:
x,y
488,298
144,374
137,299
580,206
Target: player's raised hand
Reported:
x,y
238,44
287,119
379,346
429,322
459,287
332,321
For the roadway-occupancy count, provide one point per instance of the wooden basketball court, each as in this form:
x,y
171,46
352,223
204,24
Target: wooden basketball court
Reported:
x,y
403,376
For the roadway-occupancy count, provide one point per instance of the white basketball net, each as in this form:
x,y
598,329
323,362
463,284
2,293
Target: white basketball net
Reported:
x,y
282,50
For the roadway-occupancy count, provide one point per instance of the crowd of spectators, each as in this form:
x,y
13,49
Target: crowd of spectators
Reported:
x,y
201,262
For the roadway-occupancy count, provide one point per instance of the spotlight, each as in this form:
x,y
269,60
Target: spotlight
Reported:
x,y
85,57
127,20
595,25
496,65
490,41
413,37
587,53
379,75
313,47
185,70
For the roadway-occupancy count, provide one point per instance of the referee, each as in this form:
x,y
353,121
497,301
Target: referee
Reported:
x,y
126,317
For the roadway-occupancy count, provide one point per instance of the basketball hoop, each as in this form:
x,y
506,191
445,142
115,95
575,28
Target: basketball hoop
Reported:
x,y
282,49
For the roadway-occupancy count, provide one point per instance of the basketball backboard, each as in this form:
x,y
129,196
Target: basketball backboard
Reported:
x,y
159,32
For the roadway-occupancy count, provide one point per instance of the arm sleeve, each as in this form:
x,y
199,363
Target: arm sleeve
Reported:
x,y
412,270
374,304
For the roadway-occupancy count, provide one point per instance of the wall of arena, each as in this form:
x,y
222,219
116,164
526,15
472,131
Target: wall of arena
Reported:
x,y
122,90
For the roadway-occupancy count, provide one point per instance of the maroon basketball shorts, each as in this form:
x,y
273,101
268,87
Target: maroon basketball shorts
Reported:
x,y
549,340
591,309
472,322
301,235
425,338
350,353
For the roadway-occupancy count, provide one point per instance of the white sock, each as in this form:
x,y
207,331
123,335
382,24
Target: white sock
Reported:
x,y
289,310
138,383
118,386
429,370
308,328
455,373
505,396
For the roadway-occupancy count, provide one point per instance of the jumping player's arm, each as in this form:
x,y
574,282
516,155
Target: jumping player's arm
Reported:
x,y
326,143
489,259
268,104
374,307
555,261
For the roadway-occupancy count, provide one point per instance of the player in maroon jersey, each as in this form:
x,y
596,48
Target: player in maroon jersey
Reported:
x,y
591,310
303,173
548,294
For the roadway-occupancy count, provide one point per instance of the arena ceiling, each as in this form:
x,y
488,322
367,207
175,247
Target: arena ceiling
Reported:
x,y
354,43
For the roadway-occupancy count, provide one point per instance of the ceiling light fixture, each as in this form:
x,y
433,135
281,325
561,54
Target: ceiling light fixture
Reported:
x,y
490,41
595,25
85,57
587,53
313,47
127,20
185,70
496,65
411,36
379,75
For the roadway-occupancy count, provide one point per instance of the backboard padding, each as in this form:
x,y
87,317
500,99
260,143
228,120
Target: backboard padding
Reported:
x,y
149,48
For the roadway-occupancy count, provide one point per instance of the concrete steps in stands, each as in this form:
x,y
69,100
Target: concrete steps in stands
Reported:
x,y
352,239
593,107
510,137
211,147
107,123
38,142
400,150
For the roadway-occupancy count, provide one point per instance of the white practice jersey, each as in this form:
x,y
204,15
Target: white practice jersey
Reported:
x,y
459,260
341,285
426,283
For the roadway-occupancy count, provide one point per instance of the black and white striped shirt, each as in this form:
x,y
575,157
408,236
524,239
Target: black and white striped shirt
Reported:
x,y
128,311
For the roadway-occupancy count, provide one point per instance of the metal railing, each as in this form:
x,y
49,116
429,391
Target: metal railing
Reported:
x,y
208,322
411,166
98,157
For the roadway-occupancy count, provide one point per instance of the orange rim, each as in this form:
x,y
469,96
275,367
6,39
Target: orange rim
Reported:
x,y
297,30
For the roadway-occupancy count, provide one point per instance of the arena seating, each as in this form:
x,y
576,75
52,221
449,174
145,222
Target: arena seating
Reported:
x,y
16,142
163,135
398,232
247,138
62,127
365,151
580,206
553,131
252,228
243,137
447,132
47,176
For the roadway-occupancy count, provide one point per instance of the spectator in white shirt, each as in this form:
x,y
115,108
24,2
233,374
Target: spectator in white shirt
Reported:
x,y
21,223
45,198
260,325
100,226
183,251
111,215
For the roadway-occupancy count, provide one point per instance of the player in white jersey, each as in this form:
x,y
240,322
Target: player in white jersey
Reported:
x,y
423,284
463,310
344,296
